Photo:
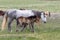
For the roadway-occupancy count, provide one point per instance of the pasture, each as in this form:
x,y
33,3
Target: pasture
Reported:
x,y
48,31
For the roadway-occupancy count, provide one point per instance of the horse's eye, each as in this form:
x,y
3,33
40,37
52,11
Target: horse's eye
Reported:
x,y
44,15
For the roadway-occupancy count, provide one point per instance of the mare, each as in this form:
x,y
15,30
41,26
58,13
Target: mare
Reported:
x,y
36,18
23,17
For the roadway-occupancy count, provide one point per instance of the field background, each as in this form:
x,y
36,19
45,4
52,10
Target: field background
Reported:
x,y
48,31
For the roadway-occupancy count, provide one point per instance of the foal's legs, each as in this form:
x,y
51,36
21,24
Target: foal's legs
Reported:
x,y
9,24
19,22
23,26
22,23
31,25
25,23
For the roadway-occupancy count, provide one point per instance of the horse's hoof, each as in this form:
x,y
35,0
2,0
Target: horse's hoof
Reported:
x,y
21,31
16,30
32,31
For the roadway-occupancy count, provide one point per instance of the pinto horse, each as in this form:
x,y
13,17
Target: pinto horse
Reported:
x,y
24,15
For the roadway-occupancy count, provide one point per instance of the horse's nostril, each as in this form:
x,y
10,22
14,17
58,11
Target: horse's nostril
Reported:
x,y
44,22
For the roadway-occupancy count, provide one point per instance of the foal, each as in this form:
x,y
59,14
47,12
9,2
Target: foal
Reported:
x,y
27,21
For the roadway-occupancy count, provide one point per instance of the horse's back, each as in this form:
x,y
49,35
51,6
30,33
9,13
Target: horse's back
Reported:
x,y
24,13
18,13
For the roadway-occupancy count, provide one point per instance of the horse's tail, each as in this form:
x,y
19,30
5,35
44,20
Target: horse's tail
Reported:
x,y
4,22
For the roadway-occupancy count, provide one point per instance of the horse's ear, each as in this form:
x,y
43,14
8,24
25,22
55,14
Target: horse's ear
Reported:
x,y
48,13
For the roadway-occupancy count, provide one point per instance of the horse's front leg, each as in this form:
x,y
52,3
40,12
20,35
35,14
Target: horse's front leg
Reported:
x,y
9,24
31,25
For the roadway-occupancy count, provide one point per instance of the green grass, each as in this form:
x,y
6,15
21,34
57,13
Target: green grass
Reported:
x,y
48,31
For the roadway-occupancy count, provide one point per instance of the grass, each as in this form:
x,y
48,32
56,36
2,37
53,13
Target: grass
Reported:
x,y
48,31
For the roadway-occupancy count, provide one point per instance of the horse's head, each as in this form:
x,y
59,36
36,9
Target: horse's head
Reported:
x,y
43,17
1,13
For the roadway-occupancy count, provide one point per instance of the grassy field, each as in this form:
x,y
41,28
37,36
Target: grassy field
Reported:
x,y
48,31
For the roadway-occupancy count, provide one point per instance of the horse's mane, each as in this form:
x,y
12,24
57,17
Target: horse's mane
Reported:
x,y
37,13
22,9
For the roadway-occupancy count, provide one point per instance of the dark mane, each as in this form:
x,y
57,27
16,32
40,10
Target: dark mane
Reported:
x,y
37,13
22,9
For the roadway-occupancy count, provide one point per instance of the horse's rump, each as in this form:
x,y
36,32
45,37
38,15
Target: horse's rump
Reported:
x,y
1,13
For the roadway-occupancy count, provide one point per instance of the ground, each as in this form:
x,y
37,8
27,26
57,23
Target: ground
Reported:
x,y
48,31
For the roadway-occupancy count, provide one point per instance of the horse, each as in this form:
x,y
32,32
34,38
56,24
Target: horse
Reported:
x,y
36,18
18,14
30,20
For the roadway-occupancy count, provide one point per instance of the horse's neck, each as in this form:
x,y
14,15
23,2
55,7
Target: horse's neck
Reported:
x,y
37,13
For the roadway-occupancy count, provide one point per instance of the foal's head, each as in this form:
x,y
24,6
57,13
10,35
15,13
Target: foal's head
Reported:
x,y
2,13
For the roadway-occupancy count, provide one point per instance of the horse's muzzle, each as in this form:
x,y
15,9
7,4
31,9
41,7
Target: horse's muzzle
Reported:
x,y
44,22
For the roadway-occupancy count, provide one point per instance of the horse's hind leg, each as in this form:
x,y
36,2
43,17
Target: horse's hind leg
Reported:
x,y
9,24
